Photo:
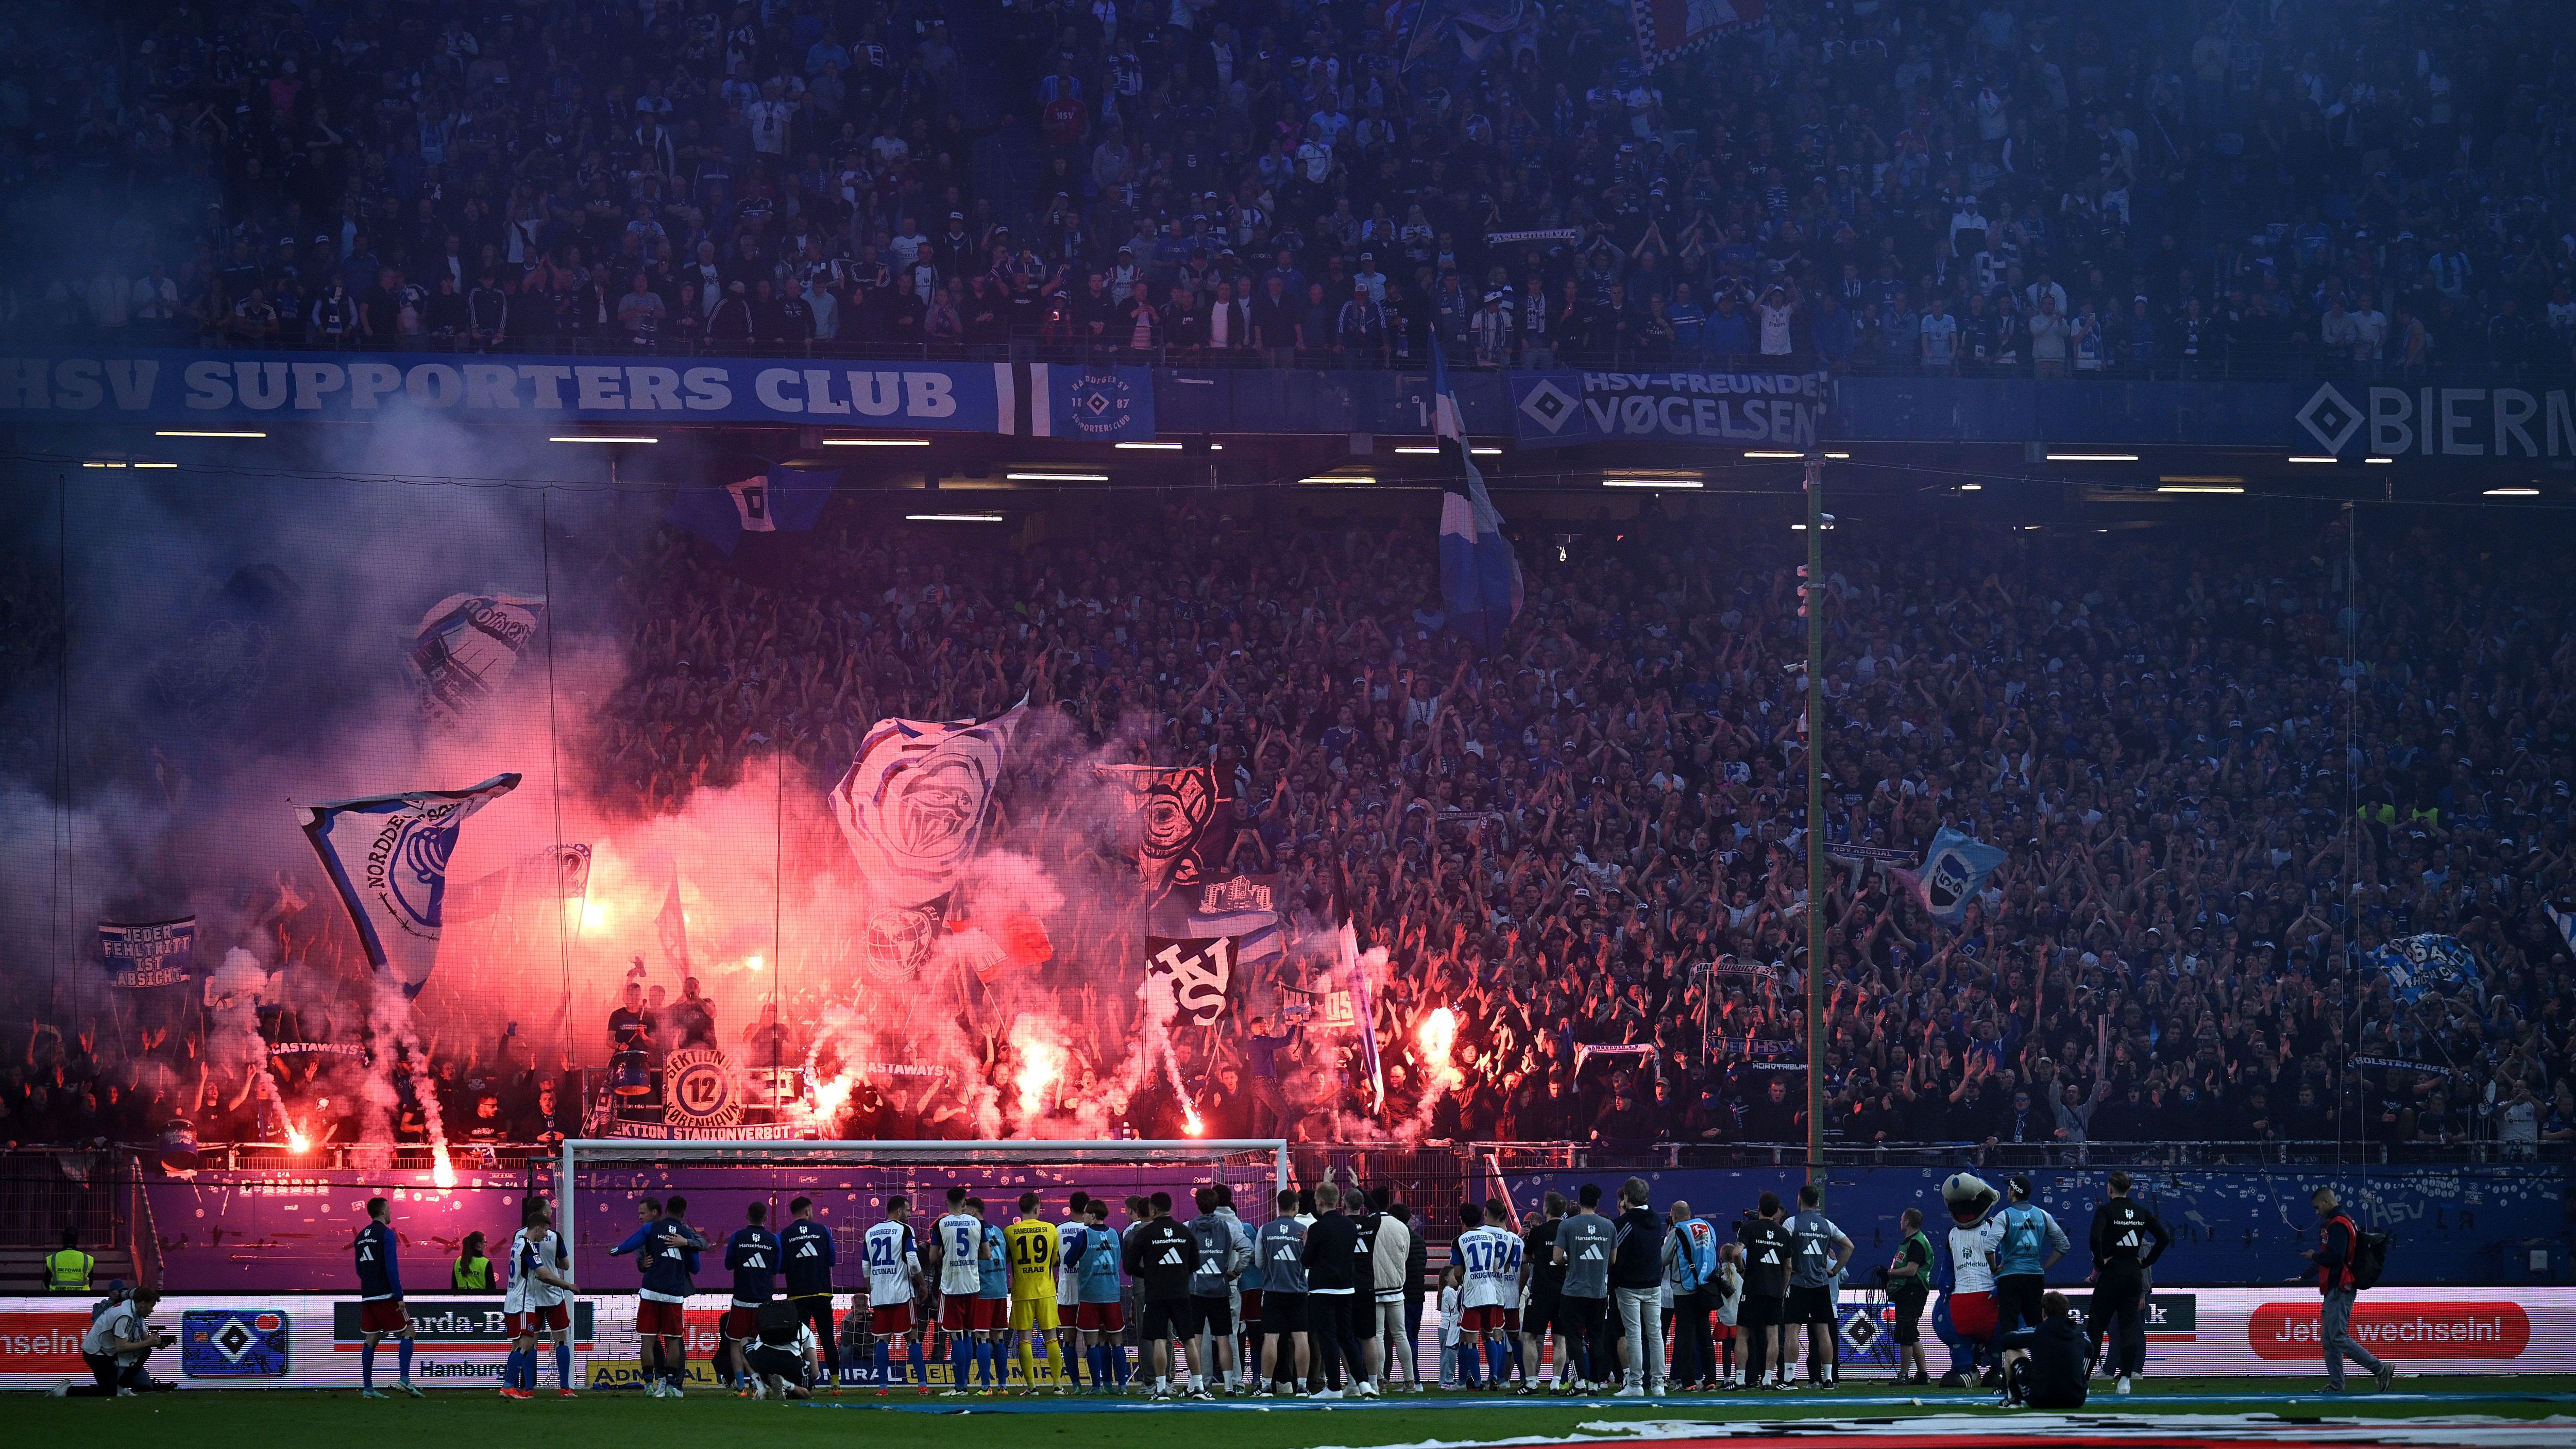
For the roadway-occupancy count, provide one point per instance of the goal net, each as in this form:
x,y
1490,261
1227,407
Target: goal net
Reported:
x,y
599,1181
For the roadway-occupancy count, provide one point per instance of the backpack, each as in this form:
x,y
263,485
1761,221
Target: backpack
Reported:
x,y
779,1321
1696,1263
2369,1258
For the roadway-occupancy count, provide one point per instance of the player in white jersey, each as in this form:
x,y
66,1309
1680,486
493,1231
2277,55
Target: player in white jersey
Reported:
x,y
538,1301
894,1277
956,1244
1068,1287
1489,1254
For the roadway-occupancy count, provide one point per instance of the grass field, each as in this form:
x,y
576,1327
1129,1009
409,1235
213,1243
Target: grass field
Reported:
x,y
283,1419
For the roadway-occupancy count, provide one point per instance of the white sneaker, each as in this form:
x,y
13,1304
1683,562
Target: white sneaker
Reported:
x,y
1325,1394
759,1390
672,1391
1630,1392
653,1388
2121,1385
1368,1388
61,1390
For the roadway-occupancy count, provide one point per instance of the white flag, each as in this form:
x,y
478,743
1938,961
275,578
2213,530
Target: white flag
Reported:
x,y
387,856
913,803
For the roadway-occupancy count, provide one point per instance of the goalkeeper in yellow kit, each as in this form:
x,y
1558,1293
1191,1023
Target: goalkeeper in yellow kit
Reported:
x,y
1033,1252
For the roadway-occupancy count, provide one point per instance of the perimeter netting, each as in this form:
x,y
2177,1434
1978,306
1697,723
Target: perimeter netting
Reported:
x,y
849,1182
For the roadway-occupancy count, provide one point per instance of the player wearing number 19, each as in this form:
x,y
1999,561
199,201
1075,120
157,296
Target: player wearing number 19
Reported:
x,y
1033,1248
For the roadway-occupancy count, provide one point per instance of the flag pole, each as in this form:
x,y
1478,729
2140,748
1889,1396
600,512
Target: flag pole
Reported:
x,y
1812,597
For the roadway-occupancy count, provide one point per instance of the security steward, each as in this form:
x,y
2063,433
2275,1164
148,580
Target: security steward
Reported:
x,y
67,1268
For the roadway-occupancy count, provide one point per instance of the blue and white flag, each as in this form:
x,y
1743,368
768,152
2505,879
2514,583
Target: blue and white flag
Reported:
x,y
780,500
2429,962
387,857
2565,921
466,647
1955,867
1480,576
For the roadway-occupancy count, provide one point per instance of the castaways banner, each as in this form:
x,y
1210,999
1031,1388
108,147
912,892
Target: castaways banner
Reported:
x,y
153,953
180,388
387,856
1756,409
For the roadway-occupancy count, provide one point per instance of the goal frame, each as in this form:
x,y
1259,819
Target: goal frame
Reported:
x,y
927,1151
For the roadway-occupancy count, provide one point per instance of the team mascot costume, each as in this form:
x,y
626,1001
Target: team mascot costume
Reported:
x,y
1970,1303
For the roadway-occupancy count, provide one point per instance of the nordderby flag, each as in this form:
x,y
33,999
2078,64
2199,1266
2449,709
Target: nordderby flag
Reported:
x,y
465,648
1480,576
387,856
756,501
1955,867
146,954
914,801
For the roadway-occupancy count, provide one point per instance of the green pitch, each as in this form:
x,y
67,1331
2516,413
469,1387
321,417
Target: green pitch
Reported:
x,y
288,1419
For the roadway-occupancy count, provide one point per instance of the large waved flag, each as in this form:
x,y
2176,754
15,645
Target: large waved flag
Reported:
x,y
1352,965
1955,867
772,500
387,856
672,925
466,646
914,801
1480,576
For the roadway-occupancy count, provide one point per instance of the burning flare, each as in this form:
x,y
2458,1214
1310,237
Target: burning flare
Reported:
x,y
1040,1064
296,1141
1438,1034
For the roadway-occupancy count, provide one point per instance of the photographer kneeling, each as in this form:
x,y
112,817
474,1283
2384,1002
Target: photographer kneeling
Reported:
x,y
115,1349
2046,1365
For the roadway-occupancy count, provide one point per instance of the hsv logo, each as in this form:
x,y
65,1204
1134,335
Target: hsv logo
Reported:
x,y
42,1343
2397,1330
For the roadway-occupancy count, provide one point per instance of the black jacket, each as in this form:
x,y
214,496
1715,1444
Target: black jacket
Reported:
x,y
2059,1362
1161,1256
1332,1253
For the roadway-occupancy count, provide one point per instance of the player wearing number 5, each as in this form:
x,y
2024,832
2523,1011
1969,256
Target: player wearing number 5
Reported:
x,y
1034,1250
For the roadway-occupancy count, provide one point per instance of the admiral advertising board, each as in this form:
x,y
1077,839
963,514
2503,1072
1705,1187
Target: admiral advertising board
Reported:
x,y
311,1342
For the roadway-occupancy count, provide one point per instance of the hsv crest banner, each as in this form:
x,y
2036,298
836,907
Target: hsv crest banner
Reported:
x,y
1955,868
155,953
387,856
556,873
466,647
913,803
1202,972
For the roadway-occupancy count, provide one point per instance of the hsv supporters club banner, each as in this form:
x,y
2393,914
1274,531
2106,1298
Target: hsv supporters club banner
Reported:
x,y
1760,409
387,857
155,953
182,388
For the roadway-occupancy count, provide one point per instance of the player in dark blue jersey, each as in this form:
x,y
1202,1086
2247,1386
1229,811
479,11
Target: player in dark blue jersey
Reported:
x,y
670,1249
752,1256
380,1299
807,1257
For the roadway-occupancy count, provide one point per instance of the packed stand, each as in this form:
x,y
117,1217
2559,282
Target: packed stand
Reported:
x,y
1594,837
2117,189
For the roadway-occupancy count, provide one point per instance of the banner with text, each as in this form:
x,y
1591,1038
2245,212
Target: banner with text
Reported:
x,y
1762,409
156,953
186,388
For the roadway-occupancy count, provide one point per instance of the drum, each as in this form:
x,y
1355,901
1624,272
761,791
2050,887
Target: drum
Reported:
x,y
630,1074
179,1145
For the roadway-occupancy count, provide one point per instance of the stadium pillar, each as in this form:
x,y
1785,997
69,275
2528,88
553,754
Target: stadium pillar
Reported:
x,y
1813,598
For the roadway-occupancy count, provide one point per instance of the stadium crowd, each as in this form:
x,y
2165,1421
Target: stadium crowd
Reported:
x,y
2118,187
1593,838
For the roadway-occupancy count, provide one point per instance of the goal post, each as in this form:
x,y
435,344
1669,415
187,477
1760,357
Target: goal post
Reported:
x,y
850,1181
